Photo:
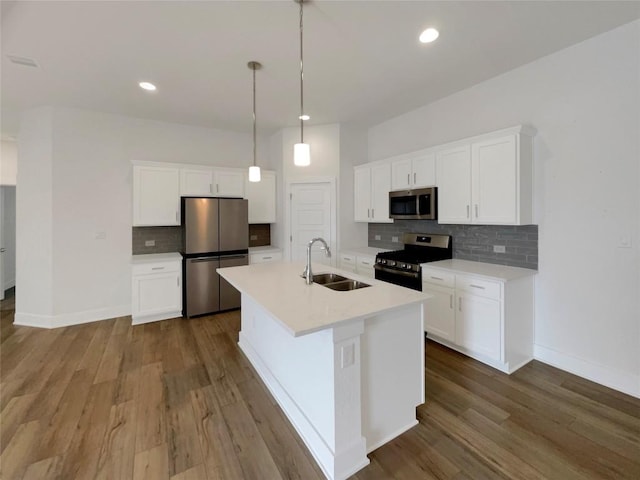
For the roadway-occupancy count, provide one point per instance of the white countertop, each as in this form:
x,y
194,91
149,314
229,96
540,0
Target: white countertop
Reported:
x,y
372,251
488,270
264,249
302,308
155,257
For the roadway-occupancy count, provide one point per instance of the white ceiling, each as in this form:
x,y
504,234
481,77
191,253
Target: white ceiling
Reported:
x,y
363,62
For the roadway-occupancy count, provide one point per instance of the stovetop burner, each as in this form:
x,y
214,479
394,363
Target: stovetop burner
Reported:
x,y
402,267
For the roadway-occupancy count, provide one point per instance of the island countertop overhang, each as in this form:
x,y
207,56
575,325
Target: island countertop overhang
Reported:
x,y
302,309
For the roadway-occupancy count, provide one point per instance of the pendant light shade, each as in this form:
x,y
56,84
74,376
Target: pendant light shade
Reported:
x,y
301,151
301,154
254,170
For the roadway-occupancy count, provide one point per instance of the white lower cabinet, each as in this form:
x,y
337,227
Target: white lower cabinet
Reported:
x,y
364,265
263,257
347,262
490,320
156,288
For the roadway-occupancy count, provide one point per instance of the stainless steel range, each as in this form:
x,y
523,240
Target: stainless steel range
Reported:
x,y
402,267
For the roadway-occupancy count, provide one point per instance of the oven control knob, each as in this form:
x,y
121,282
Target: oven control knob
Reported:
x,y
409,267
391,263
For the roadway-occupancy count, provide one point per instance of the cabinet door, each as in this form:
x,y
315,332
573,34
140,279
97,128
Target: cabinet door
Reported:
x,y
364,266
265,257
196,182
156,293
262,198
362,194
494,186
156,196
478,325
380,187
229,183
440,312
454,185
424,170
401,174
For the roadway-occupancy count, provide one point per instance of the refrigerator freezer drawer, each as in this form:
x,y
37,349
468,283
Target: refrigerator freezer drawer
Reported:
x,y
229,296
202,286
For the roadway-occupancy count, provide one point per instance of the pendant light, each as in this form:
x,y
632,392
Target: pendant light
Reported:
x,y
301,151
254,170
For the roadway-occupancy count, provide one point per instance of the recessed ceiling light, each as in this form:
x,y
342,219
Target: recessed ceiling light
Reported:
x,y
304,117
429,35
147,86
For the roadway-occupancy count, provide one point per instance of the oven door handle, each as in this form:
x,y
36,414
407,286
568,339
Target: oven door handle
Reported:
x,y
397,272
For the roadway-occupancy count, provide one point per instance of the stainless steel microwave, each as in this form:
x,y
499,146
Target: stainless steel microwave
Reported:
x,y
418,204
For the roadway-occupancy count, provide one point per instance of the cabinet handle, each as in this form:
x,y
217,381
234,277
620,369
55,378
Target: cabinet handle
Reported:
x,y
365,263
476,286
414,177
437,278
476,210
450,301
368,213
211,188
217,188
373,215
176,216
459,304
157,268
467,211
267,258
178,281
408,179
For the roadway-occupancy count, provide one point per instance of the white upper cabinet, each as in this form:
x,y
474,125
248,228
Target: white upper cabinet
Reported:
x,y
454,185
196,182
262,198
228,182
372,184
415,172
156,196
487,181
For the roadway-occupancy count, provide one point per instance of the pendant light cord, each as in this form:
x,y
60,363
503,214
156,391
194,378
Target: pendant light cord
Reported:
x,y
301,79
254,115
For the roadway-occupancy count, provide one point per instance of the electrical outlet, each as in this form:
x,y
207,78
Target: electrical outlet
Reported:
x,y
394,239
348,355
253,237
499,249
149,243
377,237
101,235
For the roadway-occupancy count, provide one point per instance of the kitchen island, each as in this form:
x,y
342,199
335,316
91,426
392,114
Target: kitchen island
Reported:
x,y
347,367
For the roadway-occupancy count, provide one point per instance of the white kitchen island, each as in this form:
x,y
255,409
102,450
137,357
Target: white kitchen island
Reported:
x,y
347,367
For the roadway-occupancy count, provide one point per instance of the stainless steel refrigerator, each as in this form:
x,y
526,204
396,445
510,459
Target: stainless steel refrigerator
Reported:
x,y
215,235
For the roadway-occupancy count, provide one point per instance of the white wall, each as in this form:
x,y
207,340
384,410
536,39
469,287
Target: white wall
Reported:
x,y
584,101
8,162
75,175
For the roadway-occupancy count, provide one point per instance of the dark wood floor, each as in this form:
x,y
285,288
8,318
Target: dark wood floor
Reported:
x,y
177,400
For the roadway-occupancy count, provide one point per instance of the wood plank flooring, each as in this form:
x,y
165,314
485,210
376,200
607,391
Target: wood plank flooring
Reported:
x,y
177,400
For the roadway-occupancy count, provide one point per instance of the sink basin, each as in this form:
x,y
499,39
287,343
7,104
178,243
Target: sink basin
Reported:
x,y
346,285
324,278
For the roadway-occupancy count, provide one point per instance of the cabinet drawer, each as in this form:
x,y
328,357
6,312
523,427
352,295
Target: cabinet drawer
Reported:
x,y
347,259
479,286
438,277
365,262
159,267
265,257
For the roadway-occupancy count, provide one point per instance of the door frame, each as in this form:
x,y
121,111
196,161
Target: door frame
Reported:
x,y
333,211
2,236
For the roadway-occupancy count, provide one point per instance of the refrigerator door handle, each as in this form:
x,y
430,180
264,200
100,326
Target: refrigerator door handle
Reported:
x,y
229,257
207,259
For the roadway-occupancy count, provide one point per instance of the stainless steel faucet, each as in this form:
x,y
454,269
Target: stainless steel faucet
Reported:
x,y
308,276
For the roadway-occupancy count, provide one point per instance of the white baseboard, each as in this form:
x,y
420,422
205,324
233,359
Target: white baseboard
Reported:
x,y
68,319
609,377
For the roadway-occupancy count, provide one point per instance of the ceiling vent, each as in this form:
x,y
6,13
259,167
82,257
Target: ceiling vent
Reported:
x,y
27,62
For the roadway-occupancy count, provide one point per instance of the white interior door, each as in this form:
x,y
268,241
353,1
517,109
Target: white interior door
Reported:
x,y
311,210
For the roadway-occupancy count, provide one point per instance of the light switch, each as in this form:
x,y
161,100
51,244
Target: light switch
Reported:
x,y
377,237
101,235
149,243
394,239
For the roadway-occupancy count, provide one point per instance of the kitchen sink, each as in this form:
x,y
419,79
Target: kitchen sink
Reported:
x,y
324,278
346,285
